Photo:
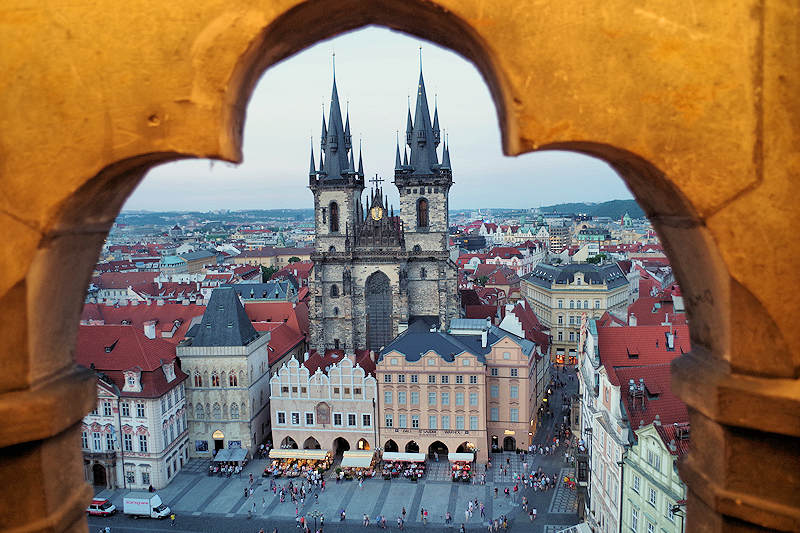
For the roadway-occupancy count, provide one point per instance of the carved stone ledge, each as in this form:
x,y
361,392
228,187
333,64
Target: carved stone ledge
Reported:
x,y
747,507
48,408
763,404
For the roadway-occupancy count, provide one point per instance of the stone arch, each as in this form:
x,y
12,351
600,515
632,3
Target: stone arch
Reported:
x,y
363,444
99,475
378,296
439,447
412,447
288,442
334,291
333,217
390,446
465,447
70,223
340,445
311,444
422,213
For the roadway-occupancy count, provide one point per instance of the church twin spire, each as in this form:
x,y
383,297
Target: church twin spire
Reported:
x,y
336,145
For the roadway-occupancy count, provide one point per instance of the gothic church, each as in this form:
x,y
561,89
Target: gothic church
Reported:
x,y
374,270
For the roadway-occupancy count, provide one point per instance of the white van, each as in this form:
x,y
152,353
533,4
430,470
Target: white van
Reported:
x,y
147,504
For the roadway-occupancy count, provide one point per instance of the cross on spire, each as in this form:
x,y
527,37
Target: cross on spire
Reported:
x,y
376,181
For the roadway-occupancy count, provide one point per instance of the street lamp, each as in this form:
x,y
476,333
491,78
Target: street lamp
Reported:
x,y
316,514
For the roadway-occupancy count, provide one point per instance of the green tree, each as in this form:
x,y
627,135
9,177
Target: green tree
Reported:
x,y
597,259
267,272
294,259
482,280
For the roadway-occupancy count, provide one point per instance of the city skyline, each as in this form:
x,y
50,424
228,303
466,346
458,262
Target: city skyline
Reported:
x,y
375,83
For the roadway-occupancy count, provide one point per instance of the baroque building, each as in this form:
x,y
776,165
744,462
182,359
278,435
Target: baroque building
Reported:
x,y
374,270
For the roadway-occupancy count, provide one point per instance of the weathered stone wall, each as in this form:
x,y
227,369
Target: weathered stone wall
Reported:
x,y
694,105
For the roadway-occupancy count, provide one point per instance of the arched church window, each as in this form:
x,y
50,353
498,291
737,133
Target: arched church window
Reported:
x,y
199,412
198,380
232,381
234,411
422,213
334,291
423,273
217,412
332,249
417,248
334,217
335,311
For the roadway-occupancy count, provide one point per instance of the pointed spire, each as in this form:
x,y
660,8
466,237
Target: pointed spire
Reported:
x,y
423,142
321,165
347,138
312,171
436,136
409,126
337,144
360,161
446,155
397,163
324,134
405,157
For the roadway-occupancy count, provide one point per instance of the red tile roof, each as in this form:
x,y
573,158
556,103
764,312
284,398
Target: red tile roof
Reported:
x,y
504,252
296,315
317,361
480,311
673,434
115,349
628,346
123,280
659,397
282,340
164,315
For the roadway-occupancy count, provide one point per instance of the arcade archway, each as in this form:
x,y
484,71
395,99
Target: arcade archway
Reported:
x,y
99,477
509,444
311,444
438,447
391,446
340,446
412,447
363,444
289,442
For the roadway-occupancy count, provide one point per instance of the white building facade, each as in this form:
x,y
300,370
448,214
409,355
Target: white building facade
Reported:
x,y
332,410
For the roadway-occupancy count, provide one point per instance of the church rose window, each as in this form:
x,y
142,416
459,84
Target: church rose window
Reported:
x,y
379,309
334,291
422,213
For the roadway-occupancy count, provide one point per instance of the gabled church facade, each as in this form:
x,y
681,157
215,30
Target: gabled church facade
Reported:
x,y
374,270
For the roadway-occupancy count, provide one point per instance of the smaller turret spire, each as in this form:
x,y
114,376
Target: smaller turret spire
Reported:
x,y
324,134
360,161
446,154
347,137
436,136
409,126
352,164
312,171
397,163
405,157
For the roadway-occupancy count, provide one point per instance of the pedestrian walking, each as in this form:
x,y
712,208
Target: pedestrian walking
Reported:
x,y
466,515
436,456
462,529
425,517
172,519
366,520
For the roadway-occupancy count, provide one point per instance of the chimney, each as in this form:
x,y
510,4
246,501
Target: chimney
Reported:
x,y
372,355
670,340
150,329
657,420
483,339
305,357
632,320
160,301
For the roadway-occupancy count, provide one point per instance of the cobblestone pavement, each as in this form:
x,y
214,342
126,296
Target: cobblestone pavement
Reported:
x,y
565,499
206,503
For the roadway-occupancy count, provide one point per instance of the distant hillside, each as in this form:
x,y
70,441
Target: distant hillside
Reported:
x,y
611,209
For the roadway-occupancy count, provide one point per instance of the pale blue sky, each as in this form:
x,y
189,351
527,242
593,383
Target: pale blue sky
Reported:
x,y
376,70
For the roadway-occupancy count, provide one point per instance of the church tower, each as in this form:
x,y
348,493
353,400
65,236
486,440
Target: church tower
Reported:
x,y
424,186
375,271
337,186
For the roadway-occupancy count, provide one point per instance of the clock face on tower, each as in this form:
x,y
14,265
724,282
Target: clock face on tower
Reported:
x,y
376,213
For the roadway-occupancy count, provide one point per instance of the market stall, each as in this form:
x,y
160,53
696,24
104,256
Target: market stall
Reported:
x,y
294,463
461,466
408,465
228,461
358,464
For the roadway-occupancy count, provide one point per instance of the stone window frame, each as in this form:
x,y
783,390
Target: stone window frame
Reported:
x,y
354,417
295,418
278,416
306,418
341,419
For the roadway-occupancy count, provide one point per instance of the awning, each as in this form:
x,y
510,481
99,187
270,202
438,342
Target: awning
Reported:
x,y
400,456
357,459
237,454
281,453
222,455
468,457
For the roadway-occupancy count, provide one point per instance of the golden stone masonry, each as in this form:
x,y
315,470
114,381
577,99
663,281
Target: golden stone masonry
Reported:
x,y
695,104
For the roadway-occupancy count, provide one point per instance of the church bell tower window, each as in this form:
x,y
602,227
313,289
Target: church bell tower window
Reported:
x,y
422,213
334,217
